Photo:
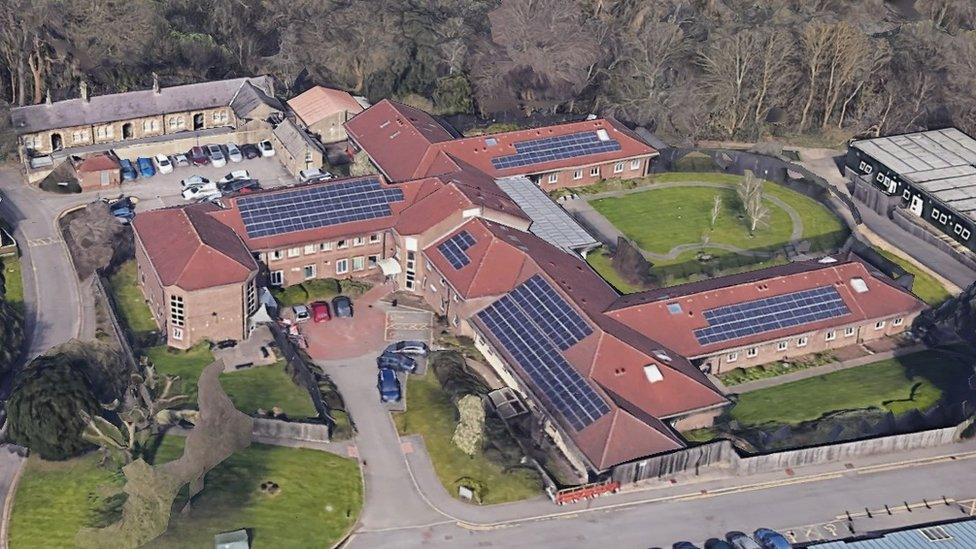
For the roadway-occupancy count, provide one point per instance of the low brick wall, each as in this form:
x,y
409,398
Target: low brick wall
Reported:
x,y
287,430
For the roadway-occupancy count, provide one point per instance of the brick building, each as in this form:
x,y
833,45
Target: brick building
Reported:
x,y
406,143
324,112
97,171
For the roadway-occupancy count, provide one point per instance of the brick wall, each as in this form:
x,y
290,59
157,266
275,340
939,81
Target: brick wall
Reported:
x,y
589,175
337,258
211,314
152,288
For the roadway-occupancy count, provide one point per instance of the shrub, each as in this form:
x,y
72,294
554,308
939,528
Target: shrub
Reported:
x,y
452,374
325,288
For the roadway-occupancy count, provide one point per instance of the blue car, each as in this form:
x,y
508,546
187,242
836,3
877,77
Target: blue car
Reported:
x,y
388,385
771,539
128,172
146,167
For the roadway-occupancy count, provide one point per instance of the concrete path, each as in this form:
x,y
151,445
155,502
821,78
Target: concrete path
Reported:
x,y
758,384
608,233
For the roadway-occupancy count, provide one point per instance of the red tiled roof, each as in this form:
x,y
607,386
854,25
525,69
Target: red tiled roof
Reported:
x,y
98,162
408,143
647,311
317,103
191,250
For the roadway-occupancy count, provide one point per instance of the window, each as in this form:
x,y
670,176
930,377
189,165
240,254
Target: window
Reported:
x,y
879,324
150,125
782,345
618,167
177,314
374,238
578,174
653,373
252,296
635,164
907,194
943,219
177,123
849,331
595,171
104,132
897,321
358,241
965,234
830,336
935,213
358,263
342,266
219,116
79,137
325,246
674,308
553,177
275,254
177,333
294,252
309,271
276,278
958,229
309,249
801,342
732,357
372,261
342,244
752,352
936,533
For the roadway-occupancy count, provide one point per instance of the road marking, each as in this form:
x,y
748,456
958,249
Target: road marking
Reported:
x,y
46,241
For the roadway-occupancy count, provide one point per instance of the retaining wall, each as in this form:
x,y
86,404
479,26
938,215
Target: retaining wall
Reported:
x,y
908,224
289,430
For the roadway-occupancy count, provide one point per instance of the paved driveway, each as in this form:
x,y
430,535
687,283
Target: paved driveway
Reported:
x,y
408,324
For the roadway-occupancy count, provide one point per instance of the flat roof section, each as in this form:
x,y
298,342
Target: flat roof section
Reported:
x,y
549,221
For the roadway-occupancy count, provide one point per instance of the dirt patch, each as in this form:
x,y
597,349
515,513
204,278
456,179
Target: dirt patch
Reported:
x,y
96,239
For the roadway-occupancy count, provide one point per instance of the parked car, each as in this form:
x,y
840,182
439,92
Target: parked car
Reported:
x,y
180,160
388,385
741,541
216,155
342,306
771,539
128,172
234,175
224,344
234,153
410,347
124,215
239,185
266,148
163,163
397,362
198,156
314,174
320,311
146,168
684,545
196,181
250,151
301,313
123,209
716,543
201,193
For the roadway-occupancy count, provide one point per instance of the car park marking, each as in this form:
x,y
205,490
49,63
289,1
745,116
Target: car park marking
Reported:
x,y
46,241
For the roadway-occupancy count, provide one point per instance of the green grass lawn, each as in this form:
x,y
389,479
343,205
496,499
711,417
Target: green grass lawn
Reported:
x,y
320,492
660,219
13,282
135,313
925,286
603,264
431,414
901,384
821,227
259,387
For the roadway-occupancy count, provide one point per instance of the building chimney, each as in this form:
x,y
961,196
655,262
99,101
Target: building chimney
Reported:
x,y
155,83
84,91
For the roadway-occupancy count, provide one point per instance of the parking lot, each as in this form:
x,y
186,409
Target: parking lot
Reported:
x,y
408,324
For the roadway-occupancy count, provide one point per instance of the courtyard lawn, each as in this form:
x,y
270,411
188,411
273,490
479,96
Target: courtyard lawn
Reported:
x,y
821,227
320,491
265,387
660,219
912,382
186,364
431,414
135,313
603,265
13,282
925,286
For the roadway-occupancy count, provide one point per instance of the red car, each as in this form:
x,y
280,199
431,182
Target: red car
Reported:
x,y
198,157
320,311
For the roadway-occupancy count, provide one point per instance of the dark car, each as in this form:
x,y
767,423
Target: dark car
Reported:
x,y
238,185
198,156
128,171
716,543
225,344
684,545
342,306
409,347
146,168
388,385
397,362
250,151
771,539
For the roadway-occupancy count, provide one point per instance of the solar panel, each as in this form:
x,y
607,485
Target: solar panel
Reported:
x,y
453,249
316,206
518,321
555,148
771,313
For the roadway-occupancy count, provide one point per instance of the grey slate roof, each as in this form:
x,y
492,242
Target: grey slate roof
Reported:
x,y
294,139
135,104
955,535
249,97
549,221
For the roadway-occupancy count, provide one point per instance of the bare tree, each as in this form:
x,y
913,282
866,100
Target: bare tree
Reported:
x,y
716,209
750,191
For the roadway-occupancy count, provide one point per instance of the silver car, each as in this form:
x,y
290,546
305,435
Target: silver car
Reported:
x,y
740,540
216,155
234,153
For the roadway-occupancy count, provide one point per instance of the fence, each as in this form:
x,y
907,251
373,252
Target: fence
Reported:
x,y
722,456
98,284
302,374
288,430
904,220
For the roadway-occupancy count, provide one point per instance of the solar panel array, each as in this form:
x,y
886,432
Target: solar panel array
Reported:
x,y
532,323
771,313
453,249
555,148
316,206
